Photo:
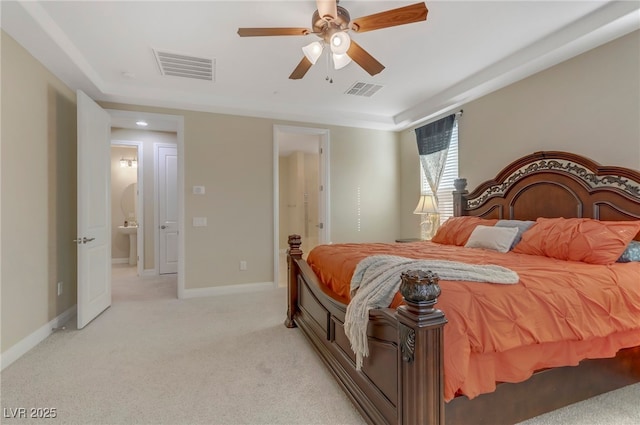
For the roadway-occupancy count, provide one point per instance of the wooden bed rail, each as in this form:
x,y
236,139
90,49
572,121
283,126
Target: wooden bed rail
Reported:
x,y
411,393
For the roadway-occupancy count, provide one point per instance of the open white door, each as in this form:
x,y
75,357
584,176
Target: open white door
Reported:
x,y
167,165
94,210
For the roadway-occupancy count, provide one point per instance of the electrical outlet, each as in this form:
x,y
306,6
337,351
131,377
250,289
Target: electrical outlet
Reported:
x,y
243,265
60,285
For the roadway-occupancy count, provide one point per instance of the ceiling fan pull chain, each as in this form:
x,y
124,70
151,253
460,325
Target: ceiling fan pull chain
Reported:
x,y
330,80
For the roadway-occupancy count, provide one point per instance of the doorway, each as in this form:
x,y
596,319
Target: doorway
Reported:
x,y
161,129
301,191
127,205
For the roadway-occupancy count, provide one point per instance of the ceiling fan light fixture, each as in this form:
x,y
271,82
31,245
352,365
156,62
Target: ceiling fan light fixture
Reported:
x,y
312,51
340,61
340,42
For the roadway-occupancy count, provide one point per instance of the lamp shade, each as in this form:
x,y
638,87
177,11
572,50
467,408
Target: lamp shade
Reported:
x,y
426,205
312,51
340,43
340,61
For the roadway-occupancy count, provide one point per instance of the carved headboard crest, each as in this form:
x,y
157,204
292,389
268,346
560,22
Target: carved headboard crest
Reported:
x,y
542,172
591,178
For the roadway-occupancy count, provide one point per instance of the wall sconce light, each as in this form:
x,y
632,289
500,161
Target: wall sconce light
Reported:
x,y
130,163
428,208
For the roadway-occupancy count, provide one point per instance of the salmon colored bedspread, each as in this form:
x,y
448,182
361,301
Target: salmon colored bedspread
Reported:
x,y
560,312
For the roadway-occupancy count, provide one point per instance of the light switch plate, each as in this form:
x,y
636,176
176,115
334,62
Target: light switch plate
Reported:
x,y
199,221
198,190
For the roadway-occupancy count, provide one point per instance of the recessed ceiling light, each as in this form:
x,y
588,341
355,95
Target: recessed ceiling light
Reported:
x,y
142,123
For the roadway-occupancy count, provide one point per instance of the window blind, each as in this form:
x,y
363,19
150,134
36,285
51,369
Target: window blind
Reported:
x,y
450,173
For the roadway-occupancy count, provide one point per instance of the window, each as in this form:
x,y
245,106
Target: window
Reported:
x,y
450,173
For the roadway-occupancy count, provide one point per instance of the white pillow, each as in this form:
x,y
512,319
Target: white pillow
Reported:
x,y
490,237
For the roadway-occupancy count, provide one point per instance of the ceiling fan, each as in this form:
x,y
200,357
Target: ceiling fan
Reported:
x,y
332,23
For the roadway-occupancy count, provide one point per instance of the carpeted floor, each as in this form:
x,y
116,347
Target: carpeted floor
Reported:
x,y
153,359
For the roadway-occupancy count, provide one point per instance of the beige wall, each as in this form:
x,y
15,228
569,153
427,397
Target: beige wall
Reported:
x,y
38,194
364,162
232,157
588,105
410,185
147,138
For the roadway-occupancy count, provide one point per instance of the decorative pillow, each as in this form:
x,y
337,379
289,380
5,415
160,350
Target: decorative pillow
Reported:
x,y
456,230
578,239
490,237
521,225
632,253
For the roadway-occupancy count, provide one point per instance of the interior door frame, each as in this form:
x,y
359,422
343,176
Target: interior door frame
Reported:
x,y
324,195
139,199
177,125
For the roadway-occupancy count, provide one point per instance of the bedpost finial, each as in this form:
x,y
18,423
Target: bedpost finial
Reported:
x,y
460,184
294,245
420,286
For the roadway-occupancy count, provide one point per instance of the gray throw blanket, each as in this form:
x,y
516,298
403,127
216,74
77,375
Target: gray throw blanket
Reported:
x,y
376,280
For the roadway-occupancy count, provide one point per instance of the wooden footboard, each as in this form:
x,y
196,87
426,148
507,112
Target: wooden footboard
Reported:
x,y
401,381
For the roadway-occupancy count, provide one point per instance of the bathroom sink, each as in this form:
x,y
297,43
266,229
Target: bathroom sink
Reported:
x,y
132,231
129,230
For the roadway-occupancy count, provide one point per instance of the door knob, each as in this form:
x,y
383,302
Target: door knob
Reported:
x,y
83,240
163,227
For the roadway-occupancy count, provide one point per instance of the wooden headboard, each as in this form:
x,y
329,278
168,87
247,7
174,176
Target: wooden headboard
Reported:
x,y
553,184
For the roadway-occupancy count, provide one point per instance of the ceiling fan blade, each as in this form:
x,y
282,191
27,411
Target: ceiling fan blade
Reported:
x,y
327,8
403,15
301,69
364,59
259,32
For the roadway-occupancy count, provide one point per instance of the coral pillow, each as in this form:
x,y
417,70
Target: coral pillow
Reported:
x,y
578,239
456,230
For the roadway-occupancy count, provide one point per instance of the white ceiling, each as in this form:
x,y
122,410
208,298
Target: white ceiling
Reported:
x,y
464,49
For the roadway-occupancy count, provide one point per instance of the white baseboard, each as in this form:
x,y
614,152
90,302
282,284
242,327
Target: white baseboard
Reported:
x,y
26,344
228,289
149,272
120,260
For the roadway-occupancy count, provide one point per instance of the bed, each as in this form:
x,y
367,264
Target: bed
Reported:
x,y
406,377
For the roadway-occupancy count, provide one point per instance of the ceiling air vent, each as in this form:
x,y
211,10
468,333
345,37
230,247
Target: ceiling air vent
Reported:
x,y
178,65
363,89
